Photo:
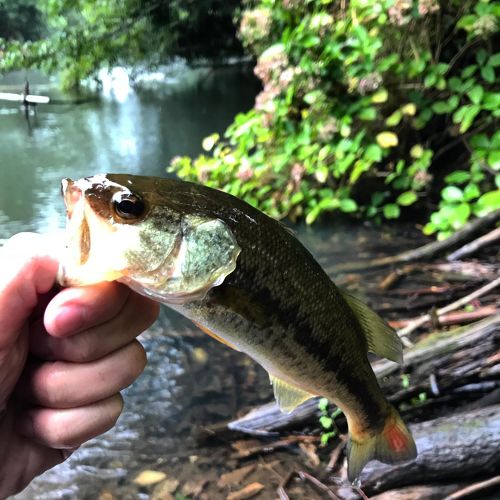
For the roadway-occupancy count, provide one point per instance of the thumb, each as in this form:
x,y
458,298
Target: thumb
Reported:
x,y
28,268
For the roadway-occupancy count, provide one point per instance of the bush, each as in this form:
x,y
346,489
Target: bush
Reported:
x,y
393,98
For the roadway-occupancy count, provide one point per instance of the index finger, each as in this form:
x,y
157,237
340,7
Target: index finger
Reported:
x,y
76,309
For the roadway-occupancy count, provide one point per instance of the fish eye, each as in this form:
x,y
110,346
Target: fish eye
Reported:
x,y
128,206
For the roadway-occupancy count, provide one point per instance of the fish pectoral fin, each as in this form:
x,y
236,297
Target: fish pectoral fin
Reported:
x,y
288,396
381,338
215,336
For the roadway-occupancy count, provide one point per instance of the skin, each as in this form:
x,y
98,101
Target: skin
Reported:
x,y
64,358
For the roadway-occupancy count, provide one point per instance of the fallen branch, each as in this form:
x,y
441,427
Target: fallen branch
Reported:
x,y
475,245
273,445
475,488
427,251
457,318
451,307
323,487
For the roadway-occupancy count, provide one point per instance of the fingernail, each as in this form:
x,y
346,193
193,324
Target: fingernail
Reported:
x,y
70,319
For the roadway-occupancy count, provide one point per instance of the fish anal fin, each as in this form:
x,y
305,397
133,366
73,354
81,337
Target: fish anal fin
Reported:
x,y
381,338
288,396
215,336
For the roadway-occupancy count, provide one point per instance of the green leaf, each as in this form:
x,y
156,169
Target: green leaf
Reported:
x,y
476,94
368,114
491,101
487,203
457,177
481,56
494,160
429,229
471,191
209,142
391,211
394,119
441,107
459,114
380,96
311,41
417,151
313,96
455,84
452,193
348,205
313,215
469,71
494,60
469,115
373,153
430,80
460,215
480,141
326,422
323,404
406,199
488,74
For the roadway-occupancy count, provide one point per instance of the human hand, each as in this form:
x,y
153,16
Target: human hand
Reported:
x,y
64,357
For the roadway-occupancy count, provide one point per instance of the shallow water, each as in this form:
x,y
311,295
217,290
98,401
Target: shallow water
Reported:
x,y
190,381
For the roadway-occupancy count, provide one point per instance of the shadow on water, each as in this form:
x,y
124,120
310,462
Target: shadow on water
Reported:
x,y
190,381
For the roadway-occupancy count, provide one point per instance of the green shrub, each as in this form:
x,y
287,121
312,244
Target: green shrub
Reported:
x,y
393,98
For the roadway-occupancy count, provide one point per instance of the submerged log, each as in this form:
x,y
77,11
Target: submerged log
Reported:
x,y
438,365
463,446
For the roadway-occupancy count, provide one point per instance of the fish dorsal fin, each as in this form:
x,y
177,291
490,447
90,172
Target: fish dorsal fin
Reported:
x,y
381,338
288,396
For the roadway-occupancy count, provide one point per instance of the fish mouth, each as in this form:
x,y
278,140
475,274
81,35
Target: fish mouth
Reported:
x,y
77,228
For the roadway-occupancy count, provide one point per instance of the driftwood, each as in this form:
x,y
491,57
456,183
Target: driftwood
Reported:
x,y
463,446
443,360
453,318
475,245
450,307
427,251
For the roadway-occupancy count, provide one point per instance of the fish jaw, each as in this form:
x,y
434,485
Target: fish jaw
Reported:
x,y
79,265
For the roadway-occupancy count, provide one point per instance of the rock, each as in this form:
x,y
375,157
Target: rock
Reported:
x,y
149,477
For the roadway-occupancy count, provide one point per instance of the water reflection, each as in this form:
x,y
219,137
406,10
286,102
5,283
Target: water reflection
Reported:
x,y
139,134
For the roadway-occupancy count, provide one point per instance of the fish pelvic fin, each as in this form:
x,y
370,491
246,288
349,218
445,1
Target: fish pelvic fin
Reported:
x,y
288,396
381,338
215,336
394,443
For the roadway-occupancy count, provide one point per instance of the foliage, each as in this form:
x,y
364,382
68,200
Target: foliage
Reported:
x,y
86,35
20,20
327,421
365,97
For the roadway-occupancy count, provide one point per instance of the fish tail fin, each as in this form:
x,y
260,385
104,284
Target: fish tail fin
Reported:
x,y
394,443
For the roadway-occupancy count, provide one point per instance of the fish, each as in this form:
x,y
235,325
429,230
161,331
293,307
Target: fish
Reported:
x,y
245,279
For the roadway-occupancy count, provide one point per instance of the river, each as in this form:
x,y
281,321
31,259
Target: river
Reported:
x,y
190,381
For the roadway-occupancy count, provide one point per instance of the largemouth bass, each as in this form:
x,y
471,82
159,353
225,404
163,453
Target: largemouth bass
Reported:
x,y
243,278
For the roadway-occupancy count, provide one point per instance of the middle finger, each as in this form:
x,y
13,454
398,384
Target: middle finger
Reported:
x,y
67,385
